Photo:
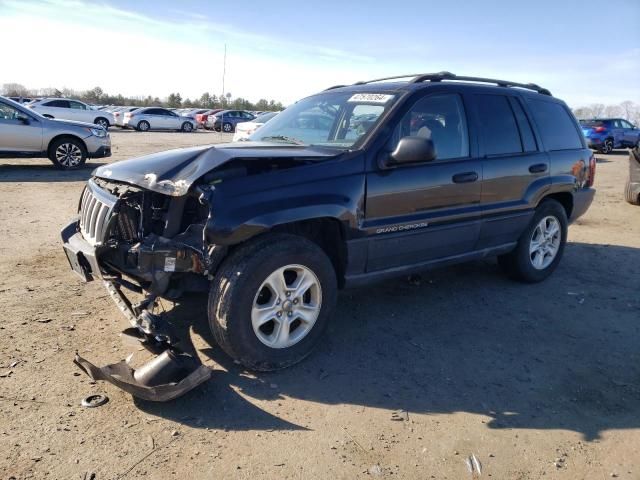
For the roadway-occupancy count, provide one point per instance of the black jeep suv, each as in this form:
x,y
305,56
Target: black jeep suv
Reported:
x,y
355,184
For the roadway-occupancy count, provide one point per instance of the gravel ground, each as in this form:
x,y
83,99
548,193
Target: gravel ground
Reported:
x,y
413,377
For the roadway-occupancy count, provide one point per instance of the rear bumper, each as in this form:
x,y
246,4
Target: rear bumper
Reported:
x,y
81,255
582,200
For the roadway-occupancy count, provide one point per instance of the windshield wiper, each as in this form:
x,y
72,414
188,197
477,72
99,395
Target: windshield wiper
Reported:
x,y
283,138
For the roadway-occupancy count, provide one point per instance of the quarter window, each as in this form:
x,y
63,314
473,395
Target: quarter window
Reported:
x,y
556,127
498,125
440,118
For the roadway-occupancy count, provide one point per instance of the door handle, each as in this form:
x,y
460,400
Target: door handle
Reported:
x,y
466,177
538,168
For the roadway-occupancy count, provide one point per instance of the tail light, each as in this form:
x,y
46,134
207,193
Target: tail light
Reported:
x,y
592,171
116,114
128,114
600,129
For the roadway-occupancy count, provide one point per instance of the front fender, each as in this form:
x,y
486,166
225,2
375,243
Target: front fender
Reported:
x,y
235,218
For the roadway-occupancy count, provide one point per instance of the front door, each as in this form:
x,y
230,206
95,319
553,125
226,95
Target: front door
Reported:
x,y
16,135
423,212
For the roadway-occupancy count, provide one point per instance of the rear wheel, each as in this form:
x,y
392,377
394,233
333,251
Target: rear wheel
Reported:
x,y
102,122
271,301
187,127
540,246
227,127
607,146
143,126
68,153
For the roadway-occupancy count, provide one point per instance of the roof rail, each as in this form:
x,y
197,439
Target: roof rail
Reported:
x,y
335,86
440,76
437,77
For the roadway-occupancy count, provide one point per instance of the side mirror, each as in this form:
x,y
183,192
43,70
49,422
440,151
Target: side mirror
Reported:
x,y
24,119
412,150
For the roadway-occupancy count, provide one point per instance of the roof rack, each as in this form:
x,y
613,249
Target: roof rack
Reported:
x,y
440,76
437,77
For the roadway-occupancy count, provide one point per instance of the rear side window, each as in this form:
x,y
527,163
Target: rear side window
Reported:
x,y
555,126
498,125
57,103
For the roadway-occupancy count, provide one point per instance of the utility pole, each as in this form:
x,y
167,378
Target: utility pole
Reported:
x,y
224,72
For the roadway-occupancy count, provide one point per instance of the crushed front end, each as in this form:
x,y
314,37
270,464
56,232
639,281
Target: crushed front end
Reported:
x,y
150,245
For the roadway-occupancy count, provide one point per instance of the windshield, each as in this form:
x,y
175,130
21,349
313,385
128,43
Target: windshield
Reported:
x,y
330,119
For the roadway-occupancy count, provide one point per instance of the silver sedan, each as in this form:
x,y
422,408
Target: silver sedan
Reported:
x,y
155,118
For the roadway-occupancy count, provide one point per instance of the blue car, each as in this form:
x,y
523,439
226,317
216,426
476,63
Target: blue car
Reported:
x,y
605,134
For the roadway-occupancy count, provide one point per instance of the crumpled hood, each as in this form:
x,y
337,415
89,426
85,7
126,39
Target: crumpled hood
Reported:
x,y
172,172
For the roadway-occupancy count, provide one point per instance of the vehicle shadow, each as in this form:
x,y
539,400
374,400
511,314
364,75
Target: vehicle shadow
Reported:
x,y
562,354
45,172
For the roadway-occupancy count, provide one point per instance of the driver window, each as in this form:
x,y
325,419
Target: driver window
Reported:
x,y
8,113
440,118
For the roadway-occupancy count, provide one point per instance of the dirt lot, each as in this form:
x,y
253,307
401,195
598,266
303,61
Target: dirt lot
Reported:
x,y
538,381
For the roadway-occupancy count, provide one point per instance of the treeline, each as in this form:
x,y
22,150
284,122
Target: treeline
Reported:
x,y
628,110
97,96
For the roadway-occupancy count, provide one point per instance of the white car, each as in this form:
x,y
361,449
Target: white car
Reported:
x,y
244,130
68,109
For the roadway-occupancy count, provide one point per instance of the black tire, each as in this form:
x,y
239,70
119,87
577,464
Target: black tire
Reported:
x,y
187,127
518,263
103,122
235,288
227,127
76,157
143,126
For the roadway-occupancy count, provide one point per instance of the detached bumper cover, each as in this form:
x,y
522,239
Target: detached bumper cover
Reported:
x,y
124,377
582,200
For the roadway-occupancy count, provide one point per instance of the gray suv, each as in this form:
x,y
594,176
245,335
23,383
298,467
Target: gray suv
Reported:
x,y
68,144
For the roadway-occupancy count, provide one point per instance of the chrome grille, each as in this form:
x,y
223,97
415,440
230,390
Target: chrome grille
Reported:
x,y
96,207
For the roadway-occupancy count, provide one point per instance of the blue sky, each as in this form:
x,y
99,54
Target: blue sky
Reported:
x,y
285,49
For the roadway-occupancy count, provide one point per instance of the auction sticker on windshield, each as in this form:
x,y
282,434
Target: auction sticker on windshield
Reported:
x,y
370,98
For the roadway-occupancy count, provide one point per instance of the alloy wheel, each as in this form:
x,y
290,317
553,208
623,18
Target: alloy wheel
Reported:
x,y
545,242
68,155
286,306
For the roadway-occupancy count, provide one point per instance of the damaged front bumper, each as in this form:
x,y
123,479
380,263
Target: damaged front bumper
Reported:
x,y
171,373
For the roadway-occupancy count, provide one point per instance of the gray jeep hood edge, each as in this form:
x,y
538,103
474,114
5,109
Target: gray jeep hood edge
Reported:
x,y
172,172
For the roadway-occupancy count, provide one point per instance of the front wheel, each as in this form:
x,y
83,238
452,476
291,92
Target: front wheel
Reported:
x,y
540,247
271,301
68,153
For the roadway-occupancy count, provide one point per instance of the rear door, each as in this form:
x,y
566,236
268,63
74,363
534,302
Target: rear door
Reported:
x,y
56,109
514,169
426,211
